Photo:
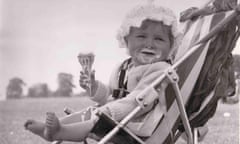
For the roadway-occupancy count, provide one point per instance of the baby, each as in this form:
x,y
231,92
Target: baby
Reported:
x,y
151,37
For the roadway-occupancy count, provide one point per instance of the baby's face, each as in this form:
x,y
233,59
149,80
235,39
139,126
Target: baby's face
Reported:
x,y
149,43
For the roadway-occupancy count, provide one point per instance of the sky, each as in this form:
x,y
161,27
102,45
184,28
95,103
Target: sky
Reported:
x,y
40,38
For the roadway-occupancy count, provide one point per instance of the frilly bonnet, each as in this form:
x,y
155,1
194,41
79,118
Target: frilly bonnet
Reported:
x,y
150,11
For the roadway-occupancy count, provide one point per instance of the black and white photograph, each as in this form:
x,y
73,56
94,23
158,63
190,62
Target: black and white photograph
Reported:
x,y
119,71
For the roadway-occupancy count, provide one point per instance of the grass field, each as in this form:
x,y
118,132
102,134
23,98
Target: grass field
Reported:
x,y
13,114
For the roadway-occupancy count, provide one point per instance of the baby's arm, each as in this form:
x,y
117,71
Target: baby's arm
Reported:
x,y
103,91
157,93
118,109
96,90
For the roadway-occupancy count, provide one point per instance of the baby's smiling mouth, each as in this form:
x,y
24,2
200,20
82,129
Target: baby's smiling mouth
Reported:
x,y
148,53
147,56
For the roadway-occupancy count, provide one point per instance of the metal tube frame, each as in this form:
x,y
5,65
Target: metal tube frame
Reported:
x,y
183,113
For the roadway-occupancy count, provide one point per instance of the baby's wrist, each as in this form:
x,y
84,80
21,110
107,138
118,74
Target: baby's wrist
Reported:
x,y
94,86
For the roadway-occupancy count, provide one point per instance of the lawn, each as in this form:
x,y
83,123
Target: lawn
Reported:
x,y
13,114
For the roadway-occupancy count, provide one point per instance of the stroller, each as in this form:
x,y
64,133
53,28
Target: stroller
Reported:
x,y
192,96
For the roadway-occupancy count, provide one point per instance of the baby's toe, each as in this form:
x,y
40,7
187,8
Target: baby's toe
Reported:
x,y
28,123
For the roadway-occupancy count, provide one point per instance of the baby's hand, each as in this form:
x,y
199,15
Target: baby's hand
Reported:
x,y
87,81
190,13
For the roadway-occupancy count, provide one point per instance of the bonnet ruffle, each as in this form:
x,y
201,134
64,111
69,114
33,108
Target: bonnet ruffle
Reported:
x,y
149,11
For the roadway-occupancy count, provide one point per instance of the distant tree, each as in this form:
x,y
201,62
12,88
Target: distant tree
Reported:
x,y
65,85
15,88
39,90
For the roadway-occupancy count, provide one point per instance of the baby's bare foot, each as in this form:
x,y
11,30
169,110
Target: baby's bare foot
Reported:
x,y
35,127
52,126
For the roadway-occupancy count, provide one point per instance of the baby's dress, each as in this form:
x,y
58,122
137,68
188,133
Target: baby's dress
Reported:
x,y
139,78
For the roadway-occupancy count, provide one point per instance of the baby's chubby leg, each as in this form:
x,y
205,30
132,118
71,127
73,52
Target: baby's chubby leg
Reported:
x,y
74,117
77,131
37,127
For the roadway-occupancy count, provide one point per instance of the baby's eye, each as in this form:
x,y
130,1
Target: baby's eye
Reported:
x,y
140,36
159,39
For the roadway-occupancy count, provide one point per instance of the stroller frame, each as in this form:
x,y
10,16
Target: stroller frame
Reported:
x,y
171,74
